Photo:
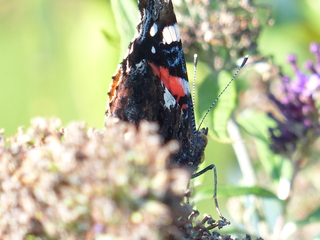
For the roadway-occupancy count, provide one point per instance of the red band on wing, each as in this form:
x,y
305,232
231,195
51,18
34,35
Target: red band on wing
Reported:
x,y
172,83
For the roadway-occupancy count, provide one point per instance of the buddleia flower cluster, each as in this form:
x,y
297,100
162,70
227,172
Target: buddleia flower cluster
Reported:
x,y
299,106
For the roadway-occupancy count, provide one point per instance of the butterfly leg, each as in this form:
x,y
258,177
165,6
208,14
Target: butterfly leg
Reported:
x,y
208,168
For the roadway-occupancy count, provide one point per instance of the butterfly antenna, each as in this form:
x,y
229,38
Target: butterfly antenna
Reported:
x,y
215,101
195,62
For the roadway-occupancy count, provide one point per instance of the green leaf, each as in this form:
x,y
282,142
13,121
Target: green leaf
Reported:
x,y
257,124
127,17
235,191
271,163
223,108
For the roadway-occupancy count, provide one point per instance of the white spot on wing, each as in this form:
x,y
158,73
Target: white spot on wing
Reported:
x,y
153,50
169,100
185,86
176,28
167,39
171,34
128,69
153,29
140,64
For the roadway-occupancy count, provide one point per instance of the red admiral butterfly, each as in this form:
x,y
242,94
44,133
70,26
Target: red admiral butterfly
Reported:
x,y
152,83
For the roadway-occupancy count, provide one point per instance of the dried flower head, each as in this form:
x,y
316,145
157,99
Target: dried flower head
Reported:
x,y
224,29
75,183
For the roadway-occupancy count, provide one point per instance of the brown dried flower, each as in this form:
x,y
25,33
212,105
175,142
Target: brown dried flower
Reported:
x,y
75,183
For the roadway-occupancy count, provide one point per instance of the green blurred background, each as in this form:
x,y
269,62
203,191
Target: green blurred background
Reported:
x,y
57,58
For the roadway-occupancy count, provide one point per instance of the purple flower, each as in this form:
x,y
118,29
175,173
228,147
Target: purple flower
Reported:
x,y
298,107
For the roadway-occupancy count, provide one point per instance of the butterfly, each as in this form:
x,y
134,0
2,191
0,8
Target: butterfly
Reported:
x,y
151,83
